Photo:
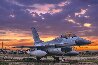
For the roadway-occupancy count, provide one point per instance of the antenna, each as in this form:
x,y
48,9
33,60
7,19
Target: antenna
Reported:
x,y
2,45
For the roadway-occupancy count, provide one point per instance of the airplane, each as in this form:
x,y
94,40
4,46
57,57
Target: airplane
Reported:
x,y
60,46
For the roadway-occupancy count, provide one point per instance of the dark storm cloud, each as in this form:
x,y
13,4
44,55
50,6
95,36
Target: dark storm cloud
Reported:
x,y
14,15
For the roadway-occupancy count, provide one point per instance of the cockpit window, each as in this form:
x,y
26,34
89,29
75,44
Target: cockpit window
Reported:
x,y
68,35
63,36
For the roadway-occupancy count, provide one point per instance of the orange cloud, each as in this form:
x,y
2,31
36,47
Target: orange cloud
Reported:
x,y
55,11
17,38
85,48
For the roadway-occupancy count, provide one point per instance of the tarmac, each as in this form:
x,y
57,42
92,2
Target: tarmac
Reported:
x,y
11,59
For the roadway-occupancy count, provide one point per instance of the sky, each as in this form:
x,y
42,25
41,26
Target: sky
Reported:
x,y
50,17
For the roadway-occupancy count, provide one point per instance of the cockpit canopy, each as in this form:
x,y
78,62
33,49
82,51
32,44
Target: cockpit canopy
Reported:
x,y
66,35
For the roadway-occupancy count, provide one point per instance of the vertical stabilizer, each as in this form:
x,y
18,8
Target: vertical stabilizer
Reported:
x,y
35,36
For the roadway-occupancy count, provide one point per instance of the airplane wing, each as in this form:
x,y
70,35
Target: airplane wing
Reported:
x,y
31,46
45,46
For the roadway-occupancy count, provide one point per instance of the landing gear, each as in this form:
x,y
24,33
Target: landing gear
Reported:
x,y
56,59
38,58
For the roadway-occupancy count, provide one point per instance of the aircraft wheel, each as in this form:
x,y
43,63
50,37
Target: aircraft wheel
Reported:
x,y
38,58
56,59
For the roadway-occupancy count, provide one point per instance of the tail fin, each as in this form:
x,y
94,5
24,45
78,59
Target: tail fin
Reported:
x,y
35,36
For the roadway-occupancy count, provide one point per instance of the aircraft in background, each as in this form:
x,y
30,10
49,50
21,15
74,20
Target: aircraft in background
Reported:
x,y
60,46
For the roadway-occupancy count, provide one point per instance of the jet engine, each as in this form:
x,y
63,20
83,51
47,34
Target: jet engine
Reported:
x,y
59,50
71,53
38,53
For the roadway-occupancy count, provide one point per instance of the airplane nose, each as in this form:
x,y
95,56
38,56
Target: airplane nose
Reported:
x,y
82,42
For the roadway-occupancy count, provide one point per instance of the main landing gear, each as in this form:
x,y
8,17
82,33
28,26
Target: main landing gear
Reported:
x,y
56,59
38,58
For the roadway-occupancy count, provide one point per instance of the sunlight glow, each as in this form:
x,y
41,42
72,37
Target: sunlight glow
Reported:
x,y
87,25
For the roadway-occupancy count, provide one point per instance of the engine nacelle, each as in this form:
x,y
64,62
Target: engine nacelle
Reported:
x,y
59,50
38,53
71,53
55,51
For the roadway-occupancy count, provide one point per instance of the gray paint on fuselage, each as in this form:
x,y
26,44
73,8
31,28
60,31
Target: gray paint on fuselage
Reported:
x,y
69,41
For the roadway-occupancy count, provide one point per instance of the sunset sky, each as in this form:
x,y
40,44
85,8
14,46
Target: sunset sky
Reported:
x,y
50,17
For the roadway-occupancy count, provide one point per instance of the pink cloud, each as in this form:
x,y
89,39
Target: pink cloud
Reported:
x,y
42,9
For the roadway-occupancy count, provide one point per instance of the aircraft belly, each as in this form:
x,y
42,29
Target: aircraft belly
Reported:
x,y
55,51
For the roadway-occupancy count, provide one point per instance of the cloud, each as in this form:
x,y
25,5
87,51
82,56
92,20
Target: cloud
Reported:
x,y
72,21
50,17
87,25
12,15
30,2
20,44
2,33
43,9
64,3
6,40
82,12
24,40
15,3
